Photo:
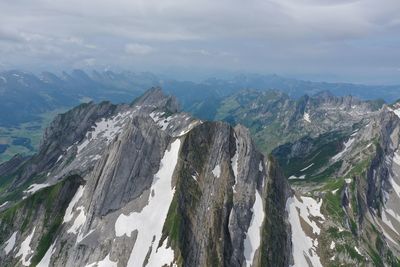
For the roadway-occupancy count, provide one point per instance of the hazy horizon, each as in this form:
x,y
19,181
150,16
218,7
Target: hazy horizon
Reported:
x,y
334,41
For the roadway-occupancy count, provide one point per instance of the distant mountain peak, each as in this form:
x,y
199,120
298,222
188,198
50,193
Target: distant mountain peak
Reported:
x,y
157,98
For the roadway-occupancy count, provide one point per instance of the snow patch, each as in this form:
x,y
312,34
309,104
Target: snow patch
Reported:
x,y
45,262
195,176
397,112
25,250
306,117
304,246
162,122
333,245
334,191
149,222
347,145
4,204
252,240
59,158
79,221
163,256
105,128
189,128
234,164
35,187
348,180
306,168
217,171
260,166
106,262
69,211
293,177
10,243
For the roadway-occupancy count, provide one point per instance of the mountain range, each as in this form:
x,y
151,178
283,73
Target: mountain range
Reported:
x,y
49,91
126,185
257,178
30,102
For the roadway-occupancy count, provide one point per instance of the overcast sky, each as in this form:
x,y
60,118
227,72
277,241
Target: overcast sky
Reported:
x,y
339,40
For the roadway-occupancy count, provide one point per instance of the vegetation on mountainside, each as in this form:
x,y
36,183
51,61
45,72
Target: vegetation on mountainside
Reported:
x,y
46,206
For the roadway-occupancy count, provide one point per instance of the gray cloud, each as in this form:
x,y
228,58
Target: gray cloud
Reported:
x,y
351,40
138,49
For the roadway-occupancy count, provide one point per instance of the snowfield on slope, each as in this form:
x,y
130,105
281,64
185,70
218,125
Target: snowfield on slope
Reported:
x,y
304,246
25,250
234,163
106,262
347,145
217,171
70,209
35,187
253,236
150,221
105,128
10,243
45,262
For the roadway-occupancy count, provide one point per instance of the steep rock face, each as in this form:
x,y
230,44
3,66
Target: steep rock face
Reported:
x,y
277,244
224,180
149,187
354,177
66,129
35,220
383,178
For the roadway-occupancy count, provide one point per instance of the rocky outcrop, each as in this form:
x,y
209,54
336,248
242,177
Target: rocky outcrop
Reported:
x,y
141,184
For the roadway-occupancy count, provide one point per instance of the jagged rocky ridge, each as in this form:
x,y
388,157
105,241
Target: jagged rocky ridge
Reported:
x,y
142,184
351,180
275,119
341,162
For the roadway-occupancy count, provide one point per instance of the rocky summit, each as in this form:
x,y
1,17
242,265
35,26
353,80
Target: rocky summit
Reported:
x,y
143,185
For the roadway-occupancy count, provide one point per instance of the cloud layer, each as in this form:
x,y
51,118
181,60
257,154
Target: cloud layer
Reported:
x,y
356,40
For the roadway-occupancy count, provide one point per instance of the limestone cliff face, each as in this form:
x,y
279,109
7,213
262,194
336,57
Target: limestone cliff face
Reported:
x,y
222,201
143,185
355,177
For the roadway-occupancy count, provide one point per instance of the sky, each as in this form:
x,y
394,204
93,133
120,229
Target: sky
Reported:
x,y
332,40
